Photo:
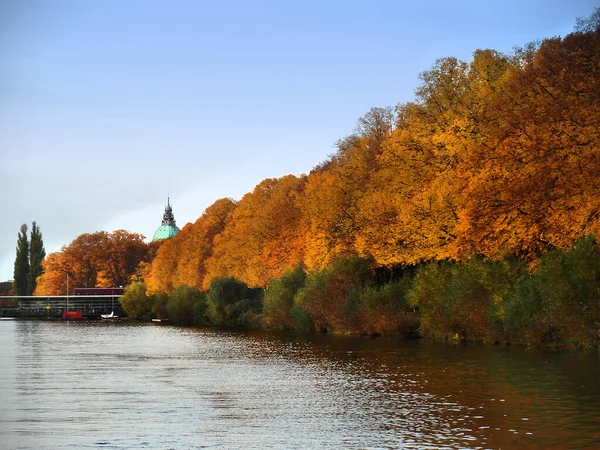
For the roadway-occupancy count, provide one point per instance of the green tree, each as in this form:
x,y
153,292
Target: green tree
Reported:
x,y
21,273
384,309
232,303
279,298
135,301
37,253
464,300
326,295
187,306
558,303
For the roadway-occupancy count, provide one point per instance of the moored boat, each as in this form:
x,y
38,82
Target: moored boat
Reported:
x,y
72,315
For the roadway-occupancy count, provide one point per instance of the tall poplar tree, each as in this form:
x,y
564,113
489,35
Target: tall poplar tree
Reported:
x,y
22,262
37,253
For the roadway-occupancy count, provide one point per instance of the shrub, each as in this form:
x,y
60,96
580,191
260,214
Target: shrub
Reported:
x,y
229,299
558,303
385,309
279,299
326,294
135,302
464,300
427,294
300,319
187,305
159,305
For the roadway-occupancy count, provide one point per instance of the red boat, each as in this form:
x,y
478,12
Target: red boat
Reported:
x,y
70,315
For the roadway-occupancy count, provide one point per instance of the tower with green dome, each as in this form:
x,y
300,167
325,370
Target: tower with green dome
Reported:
x,y
168,229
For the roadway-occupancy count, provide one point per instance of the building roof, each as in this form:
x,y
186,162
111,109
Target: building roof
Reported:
x,y
168,228
165,232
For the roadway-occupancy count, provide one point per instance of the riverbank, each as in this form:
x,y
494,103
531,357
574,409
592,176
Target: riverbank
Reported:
x,y
553,304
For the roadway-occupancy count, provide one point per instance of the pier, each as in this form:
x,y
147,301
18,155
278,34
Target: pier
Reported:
x,y
91,306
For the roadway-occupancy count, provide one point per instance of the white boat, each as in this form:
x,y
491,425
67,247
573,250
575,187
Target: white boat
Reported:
x,y
108,316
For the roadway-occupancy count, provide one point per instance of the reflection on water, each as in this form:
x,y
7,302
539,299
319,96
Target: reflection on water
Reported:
x,y
142,386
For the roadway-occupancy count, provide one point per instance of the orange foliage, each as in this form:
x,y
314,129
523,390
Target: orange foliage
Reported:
x,y
99,259
534,184
54,279
263,239
182,259
331,203
497,156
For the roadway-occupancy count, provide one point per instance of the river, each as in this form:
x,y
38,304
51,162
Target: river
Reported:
x,y
96,385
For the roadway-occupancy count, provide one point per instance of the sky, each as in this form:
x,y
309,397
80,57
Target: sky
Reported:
x,y
109,107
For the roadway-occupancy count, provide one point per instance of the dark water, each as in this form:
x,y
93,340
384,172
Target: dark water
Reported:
x,y
71,385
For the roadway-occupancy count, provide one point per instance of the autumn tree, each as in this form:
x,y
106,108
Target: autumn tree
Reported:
x,y
120,254
84,258
335,188
534,184
53,279
21,273
410,212
162,273
98,259
263,238
183,258
192,265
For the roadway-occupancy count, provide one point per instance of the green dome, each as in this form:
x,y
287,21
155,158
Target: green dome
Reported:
x,y
165,232
168,229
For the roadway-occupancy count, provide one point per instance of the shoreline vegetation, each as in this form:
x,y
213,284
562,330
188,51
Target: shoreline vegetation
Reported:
x,y
470,213
554,305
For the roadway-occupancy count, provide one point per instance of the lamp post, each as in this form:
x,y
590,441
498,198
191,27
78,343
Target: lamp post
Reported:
x,y
67,290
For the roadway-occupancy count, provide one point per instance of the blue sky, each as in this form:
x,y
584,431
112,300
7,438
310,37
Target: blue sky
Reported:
x,y
107,107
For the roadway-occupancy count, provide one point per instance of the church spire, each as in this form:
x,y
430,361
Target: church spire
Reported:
x,y
168,217
168,226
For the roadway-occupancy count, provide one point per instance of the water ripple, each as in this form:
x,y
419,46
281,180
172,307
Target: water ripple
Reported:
x,y
121,386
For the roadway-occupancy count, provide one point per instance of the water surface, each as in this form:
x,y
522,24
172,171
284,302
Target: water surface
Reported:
x,y
94,385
